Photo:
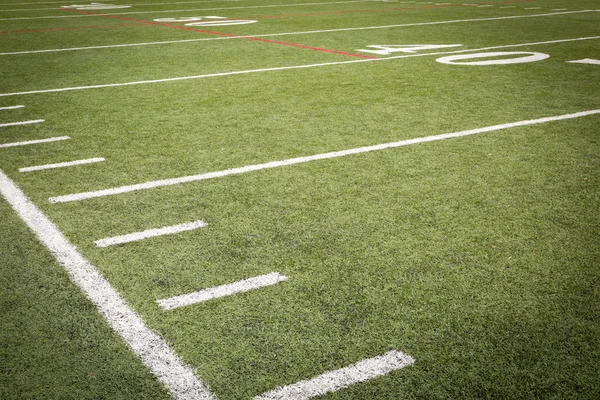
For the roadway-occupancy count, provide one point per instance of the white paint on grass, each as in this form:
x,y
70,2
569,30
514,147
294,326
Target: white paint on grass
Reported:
x,y
525,57
252,71
53,139
11,107
300,160
586,61
335,380
33,121
151,348
221,291
193,9
62,164
283,33
133,237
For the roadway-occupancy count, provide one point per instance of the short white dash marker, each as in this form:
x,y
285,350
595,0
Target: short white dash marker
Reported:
x,y
11,107
221,291
61,165
132,237
54,139
586,61
335,380
32,121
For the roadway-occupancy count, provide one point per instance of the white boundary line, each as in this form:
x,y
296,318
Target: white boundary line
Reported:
x,y
11,107
300,160
133,237
151,348
191,9
290,33
229,289
252,71
62,164
335,380
33,121
53,139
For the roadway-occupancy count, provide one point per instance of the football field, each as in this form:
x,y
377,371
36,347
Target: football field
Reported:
x,y
297,199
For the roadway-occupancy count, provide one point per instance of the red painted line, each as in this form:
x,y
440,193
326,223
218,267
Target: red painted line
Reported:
x,y
255,39
67,29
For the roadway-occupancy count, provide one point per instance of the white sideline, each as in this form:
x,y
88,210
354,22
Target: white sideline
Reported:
x,y
191,9
53,139
61,165
252,71
300,160
33,121
229,289
11,107
128,3
132,237
335,380
289,33
151,348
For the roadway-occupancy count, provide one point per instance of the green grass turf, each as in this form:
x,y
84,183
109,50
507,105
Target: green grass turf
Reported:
x,y
476,256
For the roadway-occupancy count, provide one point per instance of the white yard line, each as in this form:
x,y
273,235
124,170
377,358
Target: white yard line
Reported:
x,y
53,139
61,165
11,107
293,33
33,121
133,237
229,289
128,3
252,71
335,380
300,160
151,348
191,9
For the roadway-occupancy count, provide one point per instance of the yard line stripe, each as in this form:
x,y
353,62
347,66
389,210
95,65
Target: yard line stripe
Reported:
x,y
300,160
132,237
61,165
194,9
221,291
130,4
290,33
151,348
335,380
32,121
11,107
291,67
53,139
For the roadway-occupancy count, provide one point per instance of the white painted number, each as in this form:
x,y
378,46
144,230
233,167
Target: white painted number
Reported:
x,y
95,6
524,57
384,50
212,21
586,61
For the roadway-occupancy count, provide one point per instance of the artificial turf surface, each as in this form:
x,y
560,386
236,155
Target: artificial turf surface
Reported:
x,y
476,256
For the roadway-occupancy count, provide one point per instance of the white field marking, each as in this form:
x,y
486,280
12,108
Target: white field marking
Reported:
x,y
526,57
151,348
291,67
14,144
221,291
223,23
291,33
133,4
532,8
132,237
191,9
335,380
11,107
305,159
61,165
33,121
586,61
387,49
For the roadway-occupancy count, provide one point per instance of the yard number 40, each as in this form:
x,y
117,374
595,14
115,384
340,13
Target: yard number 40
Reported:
x,y
493,58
